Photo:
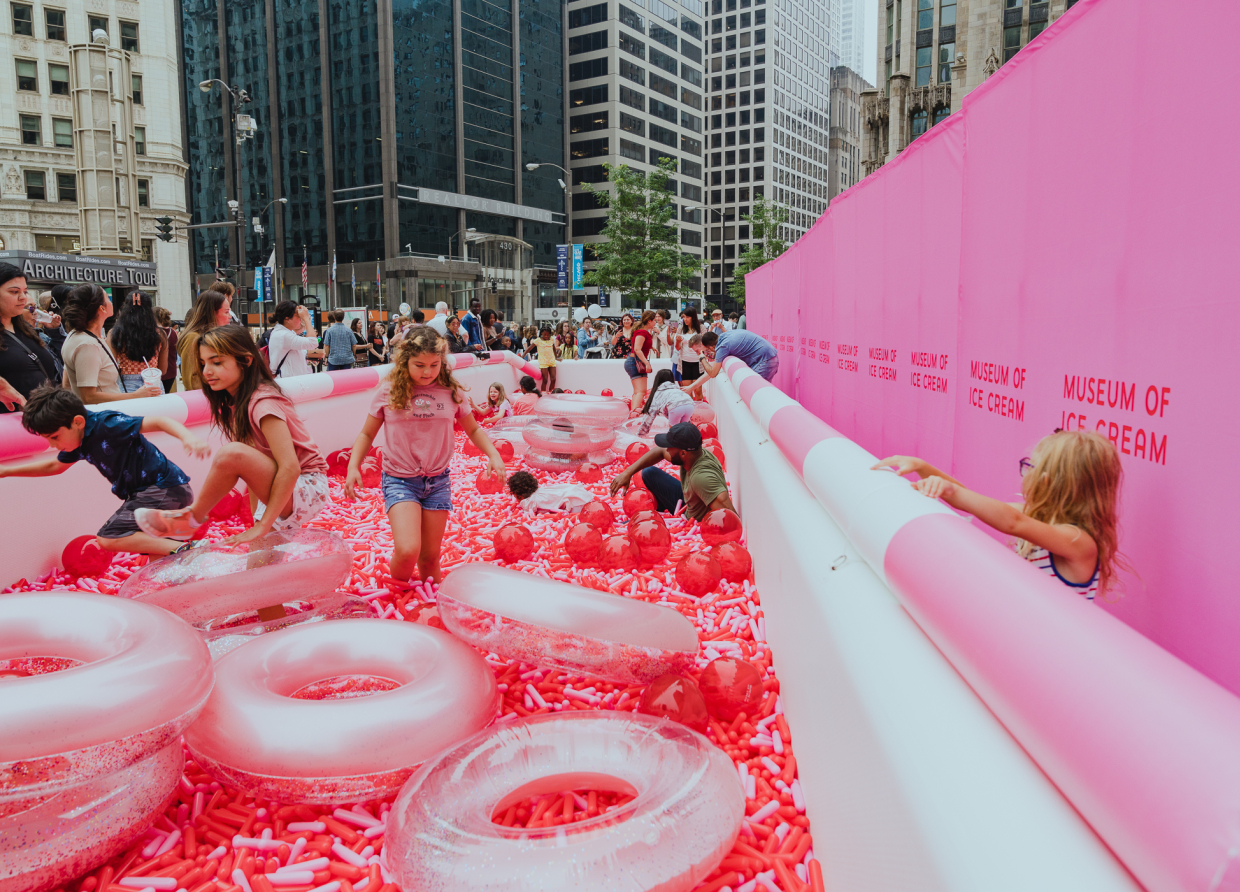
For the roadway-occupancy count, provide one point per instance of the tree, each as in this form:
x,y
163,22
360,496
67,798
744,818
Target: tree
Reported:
x,y
641,257
764,225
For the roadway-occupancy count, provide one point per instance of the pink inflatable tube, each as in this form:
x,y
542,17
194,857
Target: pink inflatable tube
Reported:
x,y
685,818
597,411
46,841
137,677
567,437
218,589
547,623
522,367
553,463
1142,745
258,731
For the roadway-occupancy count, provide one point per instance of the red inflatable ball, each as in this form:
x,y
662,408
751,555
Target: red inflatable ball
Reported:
x,y
617,554
583,543
513,542
599,515
702,413
698,574
708,430
731,687
488,483
225,507
646,514
606,392
582,392
677,698
638,500
372,471
470,448
720,526
338,462
589,473
83,557
635,451
637,481
505,450
651,541
734,561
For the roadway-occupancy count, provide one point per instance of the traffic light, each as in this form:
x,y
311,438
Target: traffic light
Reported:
x,y
165,229
494,287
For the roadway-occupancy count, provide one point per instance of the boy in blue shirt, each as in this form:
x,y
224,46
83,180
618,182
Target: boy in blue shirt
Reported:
x,y
141,475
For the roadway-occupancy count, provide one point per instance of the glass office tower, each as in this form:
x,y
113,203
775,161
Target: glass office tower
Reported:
x,y
397,133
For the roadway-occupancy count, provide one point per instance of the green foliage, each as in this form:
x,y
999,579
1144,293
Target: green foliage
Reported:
x,y
764,225
641,257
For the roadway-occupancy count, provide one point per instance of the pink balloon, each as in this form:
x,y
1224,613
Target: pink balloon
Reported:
x,y
431,690
524,617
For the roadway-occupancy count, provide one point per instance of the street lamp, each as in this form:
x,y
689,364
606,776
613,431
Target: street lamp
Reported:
x,y
568,217
258,226
454,235
240,123
707,262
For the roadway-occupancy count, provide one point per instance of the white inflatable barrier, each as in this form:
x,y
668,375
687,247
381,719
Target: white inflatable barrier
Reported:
x,y
1142,745
910,781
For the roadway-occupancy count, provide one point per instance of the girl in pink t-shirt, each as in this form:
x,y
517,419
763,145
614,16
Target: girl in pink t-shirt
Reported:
x,y
420,402
270,448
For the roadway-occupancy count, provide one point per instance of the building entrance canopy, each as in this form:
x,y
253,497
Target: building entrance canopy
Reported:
x,y
40,266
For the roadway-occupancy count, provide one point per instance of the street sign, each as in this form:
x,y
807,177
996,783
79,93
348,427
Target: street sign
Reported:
x,y
577,267
269,284
258,283
561,267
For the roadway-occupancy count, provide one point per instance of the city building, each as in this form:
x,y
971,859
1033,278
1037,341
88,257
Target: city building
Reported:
x,y
635,95
932,53
389,142
70,211
845,134
769,85
852,34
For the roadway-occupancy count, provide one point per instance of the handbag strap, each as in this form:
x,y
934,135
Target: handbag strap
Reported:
x,y
120,376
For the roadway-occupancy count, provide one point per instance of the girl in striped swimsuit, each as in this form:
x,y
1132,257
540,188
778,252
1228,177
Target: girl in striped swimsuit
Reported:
x,y
1068,524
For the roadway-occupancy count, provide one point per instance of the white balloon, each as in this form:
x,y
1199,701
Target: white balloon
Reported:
x,y
595,311
579,313
405,310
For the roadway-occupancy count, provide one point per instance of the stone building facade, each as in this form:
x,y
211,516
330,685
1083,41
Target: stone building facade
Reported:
x,y
931,54
844,137
39,179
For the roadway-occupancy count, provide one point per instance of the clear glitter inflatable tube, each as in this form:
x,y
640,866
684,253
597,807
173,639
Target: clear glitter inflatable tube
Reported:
x,y
548,623
683,820
339,711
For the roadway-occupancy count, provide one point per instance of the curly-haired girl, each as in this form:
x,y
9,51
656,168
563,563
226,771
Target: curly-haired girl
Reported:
x,y
418,401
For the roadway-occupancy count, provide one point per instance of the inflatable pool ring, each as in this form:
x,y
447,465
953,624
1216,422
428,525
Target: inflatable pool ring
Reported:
x,y
567,437
46,841
685,818
633,427
702,413
548,623
97,693
553,462
131,678
513,437
512,423
602,459
263,730
219,589
597,411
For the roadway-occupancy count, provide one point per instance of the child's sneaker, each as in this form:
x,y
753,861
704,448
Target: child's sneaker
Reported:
x,y
166,524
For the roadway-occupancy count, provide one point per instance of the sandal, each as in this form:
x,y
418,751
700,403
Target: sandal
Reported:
x,y
166,524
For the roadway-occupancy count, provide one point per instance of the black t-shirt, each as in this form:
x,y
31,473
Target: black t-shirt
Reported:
x,y
376,344
24,363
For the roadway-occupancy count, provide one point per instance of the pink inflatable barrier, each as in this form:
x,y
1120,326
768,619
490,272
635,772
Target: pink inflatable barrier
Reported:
x,y
96,693
218,589
521,366
685,818
547,623
340,711
1141,744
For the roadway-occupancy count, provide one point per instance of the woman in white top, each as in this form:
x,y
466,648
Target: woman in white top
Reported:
x,y
666,398
91,369
291,339
690,359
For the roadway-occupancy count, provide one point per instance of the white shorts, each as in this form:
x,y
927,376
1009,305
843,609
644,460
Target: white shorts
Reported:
x,y
310,496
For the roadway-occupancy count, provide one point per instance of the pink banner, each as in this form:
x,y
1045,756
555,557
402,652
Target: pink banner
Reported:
x,y
1042,260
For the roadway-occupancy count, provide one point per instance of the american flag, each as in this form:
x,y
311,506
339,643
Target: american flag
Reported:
x,y
378,281
305,270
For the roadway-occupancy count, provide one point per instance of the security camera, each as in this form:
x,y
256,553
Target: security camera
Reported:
x,y
99,36
233,205
205,86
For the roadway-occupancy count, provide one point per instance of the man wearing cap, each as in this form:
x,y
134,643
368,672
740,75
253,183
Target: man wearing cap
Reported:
x,y
717,323
702,487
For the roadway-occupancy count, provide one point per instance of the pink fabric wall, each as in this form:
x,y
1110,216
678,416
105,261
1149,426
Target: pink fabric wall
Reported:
x,y
1075,222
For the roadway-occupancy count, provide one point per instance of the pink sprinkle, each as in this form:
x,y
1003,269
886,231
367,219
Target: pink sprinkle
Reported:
x,y
348,855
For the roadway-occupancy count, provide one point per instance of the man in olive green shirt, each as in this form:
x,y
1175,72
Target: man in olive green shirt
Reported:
x,y
701,487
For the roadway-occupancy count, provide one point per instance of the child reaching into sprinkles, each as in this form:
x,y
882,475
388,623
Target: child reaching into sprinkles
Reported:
x,y
419,401
1067,525
269,447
